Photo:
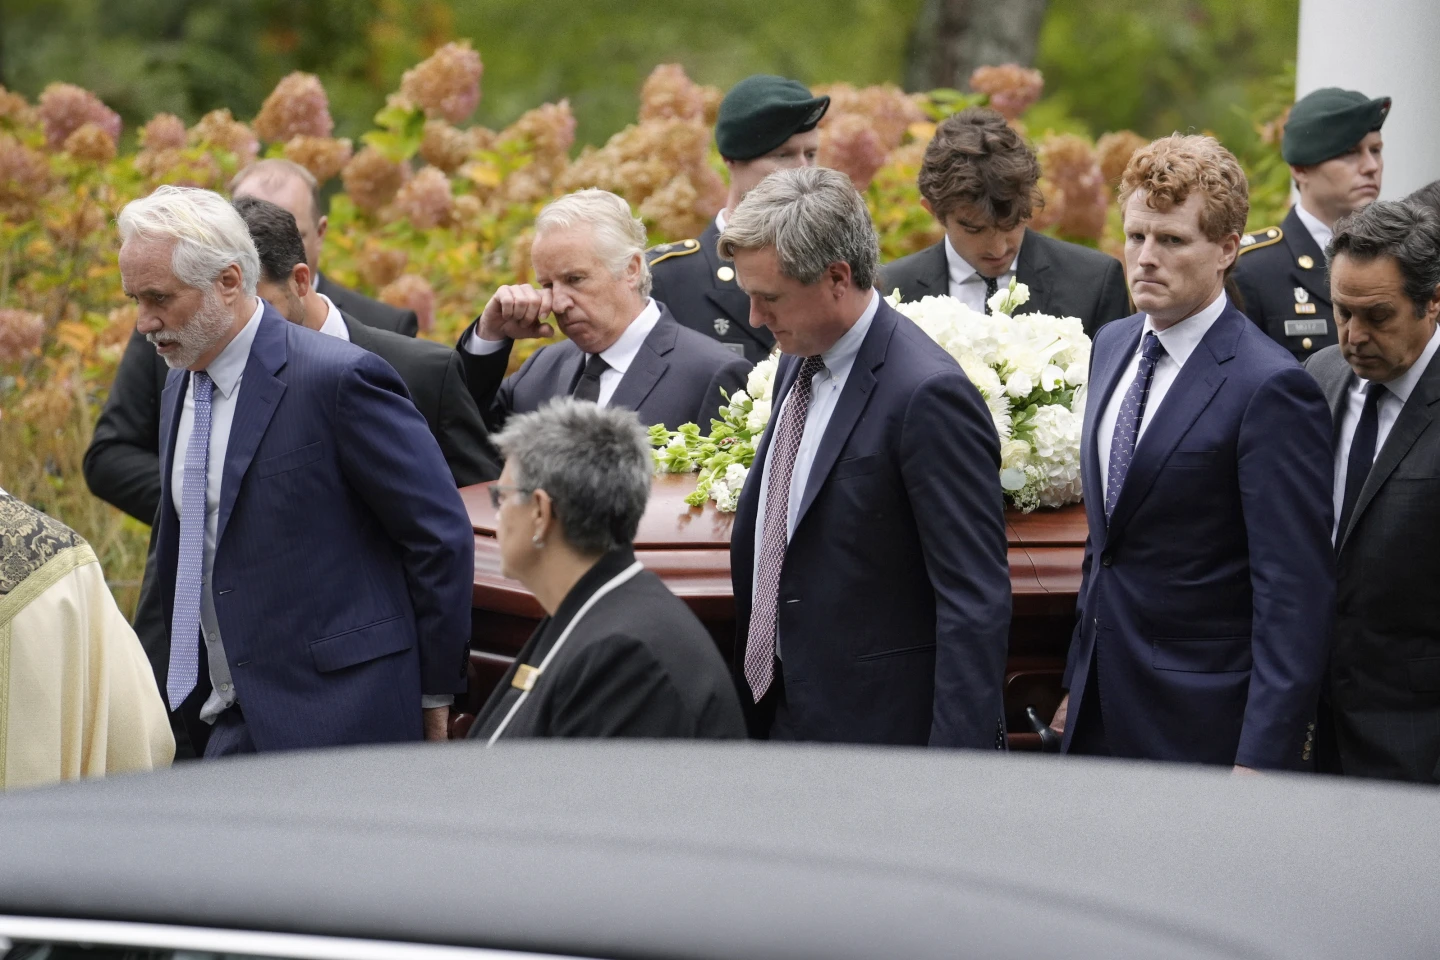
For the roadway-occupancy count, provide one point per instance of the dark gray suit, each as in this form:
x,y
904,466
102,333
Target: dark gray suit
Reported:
x,y
1065,279
1384,678
675,378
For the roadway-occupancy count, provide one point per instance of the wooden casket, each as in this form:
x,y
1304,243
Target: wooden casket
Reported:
x,y
689,547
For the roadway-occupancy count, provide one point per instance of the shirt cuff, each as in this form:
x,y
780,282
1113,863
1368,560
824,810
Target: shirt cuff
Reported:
x,y
475,346
429,701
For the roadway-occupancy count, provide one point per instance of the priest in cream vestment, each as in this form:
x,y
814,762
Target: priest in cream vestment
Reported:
x,y
77,697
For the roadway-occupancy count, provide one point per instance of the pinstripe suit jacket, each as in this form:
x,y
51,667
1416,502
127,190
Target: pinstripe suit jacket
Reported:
x,y
344,559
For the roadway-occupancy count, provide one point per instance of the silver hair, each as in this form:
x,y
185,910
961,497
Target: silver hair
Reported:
x,y
208,234
594,462
1405,230
619,235
813,217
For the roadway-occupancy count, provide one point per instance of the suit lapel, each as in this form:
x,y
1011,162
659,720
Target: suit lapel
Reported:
x,y
1415,418
1103,383
176,383
853,398
1032,268
1195,386
649,364
260,393
934,277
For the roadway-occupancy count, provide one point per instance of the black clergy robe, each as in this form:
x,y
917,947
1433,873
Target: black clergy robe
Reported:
x,y
637,664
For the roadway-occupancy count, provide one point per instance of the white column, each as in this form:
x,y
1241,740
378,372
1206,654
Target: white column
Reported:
x,y
1383,48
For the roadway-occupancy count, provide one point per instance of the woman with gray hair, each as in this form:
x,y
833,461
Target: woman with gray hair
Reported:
x,y
618,655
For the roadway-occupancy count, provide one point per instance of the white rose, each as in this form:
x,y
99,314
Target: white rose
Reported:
x,y
758,416
1014,454
1076,374
1019,385
738,398
725,498
735,475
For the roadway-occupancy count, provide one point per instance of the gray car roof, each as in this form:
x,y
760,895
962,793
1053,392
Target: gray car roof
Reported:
x,y
684,850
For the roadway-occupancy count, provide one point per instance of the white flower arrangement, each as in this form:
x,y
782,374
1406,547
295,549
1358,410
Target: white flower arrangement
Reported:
x,y
1029,368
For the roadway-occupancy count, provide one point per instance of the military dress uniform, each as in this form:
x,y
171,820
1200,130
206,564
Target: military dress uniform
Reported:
x,y
1282,279
699,288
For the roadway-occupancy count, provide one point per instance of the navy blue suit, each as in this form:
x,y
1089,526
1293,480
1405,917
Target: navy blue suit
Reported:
x,y
894,600
344,560
1208,598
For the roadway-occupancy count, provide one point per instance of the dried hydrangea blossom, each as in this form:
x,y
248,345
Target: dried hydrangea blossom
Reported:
x,y
220,131
548,131
381,266
372,179
642,158
425,199
1115,151
1012,88
668,94
16,109
447,84
24,178
21,334
468,208
1069,162
411,291
851,145
1052,208
889,109
672,209
297,107
165,131
65,108
324,157
445,146
92,143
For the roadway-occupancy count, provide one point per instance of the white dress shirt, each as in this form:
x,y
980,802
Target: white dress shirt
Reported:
x,y
825,390
334,325
1179,341
1387,411
226,370
619,355
1318,230
966,284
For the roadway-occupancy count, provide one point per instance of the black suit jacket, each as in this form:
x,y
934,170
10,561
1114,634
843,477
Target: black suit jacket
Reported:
x,y
699,288
675,378
1285,298
894,598
372,313
1065,279
436,379
1384,677
638,664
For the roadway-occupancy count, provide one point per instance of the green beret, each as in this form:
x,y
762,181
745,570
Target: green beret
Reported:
x,y
762,112
1329,122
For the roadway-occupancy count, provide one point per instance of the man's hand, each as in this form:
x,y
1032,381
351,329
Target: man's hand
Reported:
x,y
1245,771
515,313
1057,722
437,723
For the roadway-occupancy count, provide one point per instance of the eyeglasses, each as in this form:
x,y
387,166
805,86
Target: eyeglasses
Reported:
x,y
497,493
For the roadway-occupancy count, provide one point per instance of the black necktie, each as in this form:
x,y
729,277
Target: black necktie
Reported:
x,y
991,285
588,386
1362,456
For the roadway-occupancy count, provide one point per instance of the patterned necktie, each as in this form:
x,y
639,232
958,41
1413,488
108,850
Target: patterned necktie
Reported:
x,y
991,285
1132,414
185,622
1362,456
784,445
588,386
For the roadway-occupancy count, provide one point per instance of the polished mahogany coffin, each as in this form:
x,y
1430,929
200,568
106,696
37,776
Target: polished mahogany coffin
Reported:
x,y
689,547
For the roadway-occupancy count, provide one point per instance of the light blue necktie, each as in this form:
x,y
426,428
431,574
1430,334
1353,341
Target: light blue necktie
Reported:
x,y
190,570
1127,425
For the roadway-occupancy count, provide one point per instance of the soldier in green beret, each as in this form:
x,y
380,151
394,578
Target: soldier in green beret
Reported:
x,y
765,124
1332,143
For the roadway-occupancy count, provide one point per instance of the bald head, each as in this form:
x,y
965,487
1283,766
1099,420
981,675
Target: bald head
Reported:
x,y
291,187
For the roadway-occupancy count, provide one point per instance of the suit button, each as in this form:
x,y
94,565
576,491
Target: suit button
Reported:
x,y
1106,560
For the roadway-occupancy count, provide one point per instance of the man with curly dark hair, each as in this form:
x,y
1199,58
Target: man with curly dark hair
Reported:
x,y
980,182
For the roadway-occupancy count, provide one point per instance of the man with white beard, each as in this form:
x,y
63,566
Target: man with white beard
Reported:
x,y
312,556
